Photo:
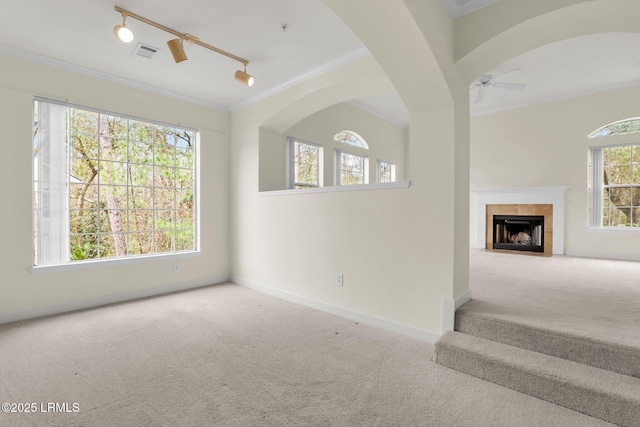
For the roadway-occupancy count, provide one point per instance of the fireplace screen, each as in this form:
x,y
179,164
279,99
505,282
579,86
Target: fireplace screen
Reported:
x,y
518,232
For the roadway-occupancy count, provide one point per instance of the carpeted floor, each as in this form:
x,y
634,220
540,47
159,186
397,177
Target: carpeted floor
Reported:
x,y
229,356
584,296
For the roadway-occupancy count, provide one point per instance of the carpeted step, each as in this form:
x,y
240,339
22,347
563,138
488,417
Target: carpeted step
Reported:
x,y
602,394
609,355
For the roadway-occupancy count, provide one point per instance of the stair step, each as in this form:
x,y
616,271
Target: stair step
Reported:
x,y
602,394
612,356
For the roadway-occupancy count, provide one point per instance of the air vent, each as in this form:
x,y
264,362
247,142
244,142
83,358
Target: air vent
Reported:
x,y
145,50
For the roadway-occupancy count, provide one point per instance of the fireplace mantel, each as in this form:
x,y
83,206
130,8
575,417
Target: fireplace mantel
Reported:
x,y
527,195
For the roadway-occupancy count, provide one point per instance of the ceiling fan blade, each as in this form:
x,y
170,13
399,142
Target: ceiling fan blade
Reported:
x,y
508,74
480,95
512,86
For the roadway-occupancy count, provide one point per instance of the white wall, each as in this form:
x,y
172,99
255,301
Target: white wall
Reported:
x,y
547,145
394,246
24,294
386,142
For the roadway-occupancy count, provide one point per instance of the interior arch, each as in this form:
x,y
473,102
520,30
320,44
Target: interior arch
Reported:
x,y
480,48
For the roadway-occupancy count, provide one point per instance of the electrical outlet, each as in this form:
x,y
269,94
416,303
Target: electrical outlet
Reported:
x,y
176,268
340,279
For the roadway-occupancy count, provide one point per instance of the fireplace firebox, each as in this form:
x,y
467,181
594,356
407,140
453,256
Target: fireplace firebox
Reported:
x,y
518,232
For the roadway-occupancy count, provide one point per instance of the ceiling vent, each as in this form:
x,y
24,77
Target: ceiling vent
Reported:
x,y
145,50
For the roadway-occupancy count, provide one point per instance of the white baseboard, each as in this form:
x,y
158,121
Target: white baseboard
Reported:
x,y
107,299
611,256
389,325
449,307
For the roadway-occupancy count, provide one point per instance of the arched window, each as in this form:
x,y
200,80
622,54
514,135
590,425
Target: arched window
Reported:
x,y
351,168
351,138
621,127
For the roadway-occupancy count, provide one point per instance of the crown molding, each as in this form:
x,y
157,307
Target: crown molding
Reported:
x,y
9,51
331,65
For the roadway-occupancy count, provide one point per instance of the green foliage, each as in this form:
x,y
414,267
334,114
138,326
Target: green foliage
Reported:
x,y
79,252
144,171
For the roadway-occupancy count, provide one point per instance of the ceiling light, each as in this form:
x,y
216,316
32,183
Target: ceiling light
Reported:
x,y
177,50
122,32
176,45
244,78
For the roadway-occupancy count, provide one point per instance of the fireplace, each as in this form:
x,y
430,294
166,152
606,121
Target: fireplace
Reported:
x,y
531,201
518,232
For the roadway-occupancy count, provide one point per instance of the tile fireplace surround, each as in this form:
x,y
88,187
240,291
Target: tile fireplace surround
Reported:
x,y
523,201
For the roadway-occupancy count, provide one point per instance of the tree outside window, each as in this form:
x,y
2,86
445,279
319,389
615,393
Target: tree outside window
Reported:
x,y
121,186
305,164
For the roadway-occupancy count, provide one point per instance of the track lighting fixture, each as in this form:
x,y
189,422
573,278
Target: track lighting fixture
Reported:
x,y
244,78
177,50
122,32
176,46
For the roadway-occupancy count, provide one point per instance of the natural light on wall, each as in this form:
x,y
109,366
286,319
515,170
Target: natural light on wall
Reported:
x,y
107,186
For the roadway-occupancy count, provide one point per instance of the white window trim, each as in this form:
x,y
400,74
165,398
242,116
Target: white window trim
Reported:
x,y
112,262
130,259
379,170
337,165
361,140
290,159
595,218
338,189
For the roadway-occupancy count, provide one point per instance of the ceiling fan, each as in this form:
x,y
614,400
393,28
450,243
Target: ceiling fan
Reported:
x,y
486,80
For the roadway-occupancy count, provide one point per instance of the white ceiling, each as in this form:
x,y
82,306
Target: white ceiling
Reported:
x,y
566,69
78,35
81,33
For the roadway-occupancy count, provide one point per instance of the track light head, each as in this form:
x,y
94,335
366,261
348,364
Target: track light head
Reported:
x,y
177,50
244,78
122,32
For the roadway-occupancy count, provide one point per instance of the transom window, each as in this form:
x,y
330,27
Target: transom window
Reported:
x,y
614,184
351,138
108,186
622,127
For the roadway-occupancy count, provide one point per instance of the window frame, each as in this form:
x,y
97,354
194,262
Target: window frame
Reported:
x,y
351,135
291,164
379,163
605,131
68,263
338,167
596,187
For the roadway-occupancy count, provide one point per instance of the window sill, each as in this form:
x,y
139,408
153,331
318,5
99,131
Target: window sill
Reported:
x,y
338,188
614,229
82,265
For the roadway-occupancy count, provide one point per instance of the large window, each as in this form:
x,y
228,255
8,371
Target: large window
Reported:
x,y
614,184
305,164
108,186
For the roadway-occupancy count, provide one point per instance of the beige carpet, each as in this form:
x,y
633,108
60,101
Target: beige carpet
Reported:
x,y
583,296
228,356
